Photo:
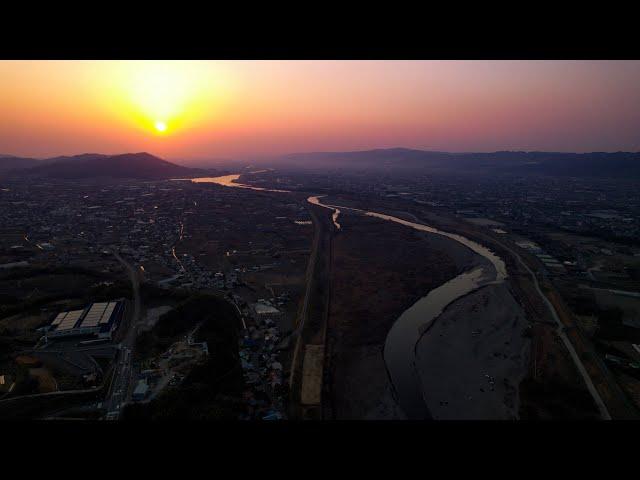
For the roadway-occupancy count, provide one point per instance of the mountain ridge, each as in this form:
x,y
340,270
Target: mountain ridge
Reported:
x,y
598,164
145,165
126,165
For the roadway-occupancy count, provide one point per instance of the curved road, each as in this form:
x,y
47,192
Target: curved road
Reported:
x,y
604,413
560,330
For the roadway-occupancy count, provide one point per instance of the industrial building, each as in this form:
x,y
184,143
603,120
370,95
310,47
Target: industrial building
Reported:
x,y
98,319
265,310
141,391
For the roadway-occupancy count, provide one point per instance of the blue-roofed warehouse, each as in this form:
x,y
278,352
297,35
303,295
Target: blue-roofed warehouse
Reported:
x,y
98,319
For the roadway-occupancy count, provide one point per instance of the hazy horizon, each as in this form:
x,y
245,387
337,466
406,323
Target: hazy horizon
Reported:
x,y
204,159
198,111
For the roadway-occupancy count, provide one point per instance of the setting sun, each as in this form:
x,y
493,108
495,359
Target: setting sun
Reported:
x,y
202,109
163,97
159,90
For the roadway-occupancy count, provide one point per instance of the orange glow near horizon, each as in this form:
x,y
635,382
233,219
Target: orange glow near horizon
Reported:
x,y
184,110
163,98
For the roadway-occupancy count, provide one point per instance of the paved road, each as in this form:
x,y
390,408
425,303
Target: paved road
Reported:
x,y
120,391
297,333
604,413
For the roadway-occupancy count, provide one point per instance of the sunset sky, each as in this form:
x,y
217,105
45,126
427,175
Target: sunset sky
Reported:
x,y
191,110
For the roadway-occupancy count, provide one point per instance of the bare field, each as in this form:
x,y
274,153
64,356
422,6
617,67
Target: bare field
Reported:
x,y
312,375
379,269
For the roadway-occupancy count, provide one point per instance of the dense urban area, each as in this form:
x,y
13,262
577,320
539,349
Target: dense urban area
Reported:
x,y
171,299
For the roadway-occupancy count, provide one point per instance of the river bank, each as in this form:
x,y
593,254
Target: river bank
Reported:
x,y
402,342
473,357
386,306
376,277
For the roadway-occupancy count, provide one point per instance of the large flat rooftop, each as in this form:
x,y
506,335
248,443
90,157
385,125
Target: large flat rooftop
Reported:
x,y
97,317
67,320
98,314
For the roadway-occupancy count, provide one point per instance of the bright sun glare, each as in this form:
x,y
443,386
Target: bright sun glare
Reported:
x,y
160,93
165,98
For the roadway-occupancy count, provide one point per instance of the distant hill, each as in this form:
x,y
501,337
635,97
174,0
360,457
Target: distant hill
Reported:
x,y
596,164
73,158
128,165
9,162
144,165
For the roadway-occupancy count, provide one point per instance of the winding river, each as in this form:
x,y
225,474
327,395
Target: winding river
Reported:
x,y
231,181
336,210
399,348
